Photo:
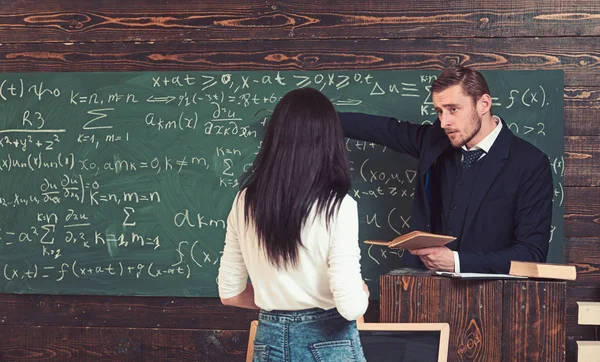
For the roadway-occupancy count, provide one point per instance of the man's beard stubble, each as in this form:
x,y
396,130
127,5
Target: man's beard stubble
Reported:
x,y
473,129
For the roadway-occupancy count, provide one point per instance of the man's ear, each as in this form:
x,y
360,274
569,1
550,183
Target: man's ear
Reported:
x,y
484,104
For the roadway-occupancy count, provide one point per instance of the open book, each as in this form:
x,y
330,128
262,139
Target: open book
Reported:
x,y
543,270
414,240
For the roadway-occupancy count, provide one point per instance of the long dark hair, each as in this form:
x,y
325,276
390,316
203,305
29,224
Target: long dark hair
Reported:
x,y
302,162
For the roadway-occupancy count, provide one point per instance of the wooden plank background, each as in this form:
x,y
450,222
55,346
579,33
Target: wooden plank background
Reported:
x,y
118,35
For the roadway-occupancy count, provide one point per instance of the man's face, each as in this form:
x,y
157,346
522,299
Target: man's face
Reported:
x,y
458,115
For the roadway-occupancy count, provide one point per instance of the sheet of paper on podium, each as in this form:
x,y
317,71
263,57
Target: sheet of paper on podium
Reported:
x,y
478,275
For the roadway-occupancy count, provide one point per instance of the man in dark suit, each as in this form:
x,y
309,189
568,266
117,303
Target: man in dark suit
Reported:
x,y
476,180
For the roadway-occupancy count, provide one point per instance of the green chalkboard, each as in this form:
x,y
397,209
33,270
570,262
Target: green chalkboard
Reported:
x,y
120,183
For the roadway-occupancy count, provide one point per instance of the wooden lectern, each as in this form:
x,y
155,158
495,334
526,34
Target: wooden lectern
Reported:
x,y
490,320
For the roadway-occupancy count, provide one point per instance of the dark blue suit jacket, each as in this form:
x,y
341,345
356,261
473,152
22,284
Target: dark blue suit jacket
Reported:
x,y
510,209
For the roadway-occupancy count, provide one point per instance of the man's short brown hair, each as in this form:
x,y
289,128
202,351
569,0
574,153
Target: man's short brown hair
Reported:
x,y
472,82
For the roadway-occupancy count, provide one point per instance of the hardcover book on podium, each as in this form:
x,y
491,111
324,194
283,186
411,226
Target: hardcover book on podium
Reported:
x,y
414,240
543,270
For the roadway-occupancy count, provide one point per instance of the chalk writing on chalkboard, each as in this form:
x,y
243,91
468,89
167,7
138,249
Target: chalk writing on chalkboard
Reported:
x,y
120,183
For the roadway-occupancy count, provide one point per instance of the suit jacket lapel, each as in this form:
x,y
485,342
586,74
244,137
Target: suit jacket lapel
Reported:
x,y
494,162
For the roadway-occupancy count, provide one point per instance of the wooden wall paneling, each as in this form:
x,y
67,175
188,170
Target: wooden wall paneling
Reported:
x,y
578,57
582,111
582,161
581,251
118,21
582,211
121,311
59,343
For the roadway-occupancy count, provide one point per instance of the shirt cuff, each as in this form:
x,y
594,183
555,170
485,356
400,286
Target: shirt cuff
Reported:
x,y
456,262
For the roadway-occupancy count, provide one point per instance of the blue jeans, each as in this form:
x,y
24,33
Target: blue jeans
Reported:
x,y
307,335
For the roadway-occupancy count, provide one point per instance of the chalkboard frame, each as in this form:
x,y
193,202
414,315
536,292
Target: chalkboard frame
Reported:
x,y
442,328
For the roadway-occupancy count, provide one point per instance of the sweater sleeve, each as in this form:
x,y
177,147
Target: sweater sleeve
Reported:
x,y
344,263
233,275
